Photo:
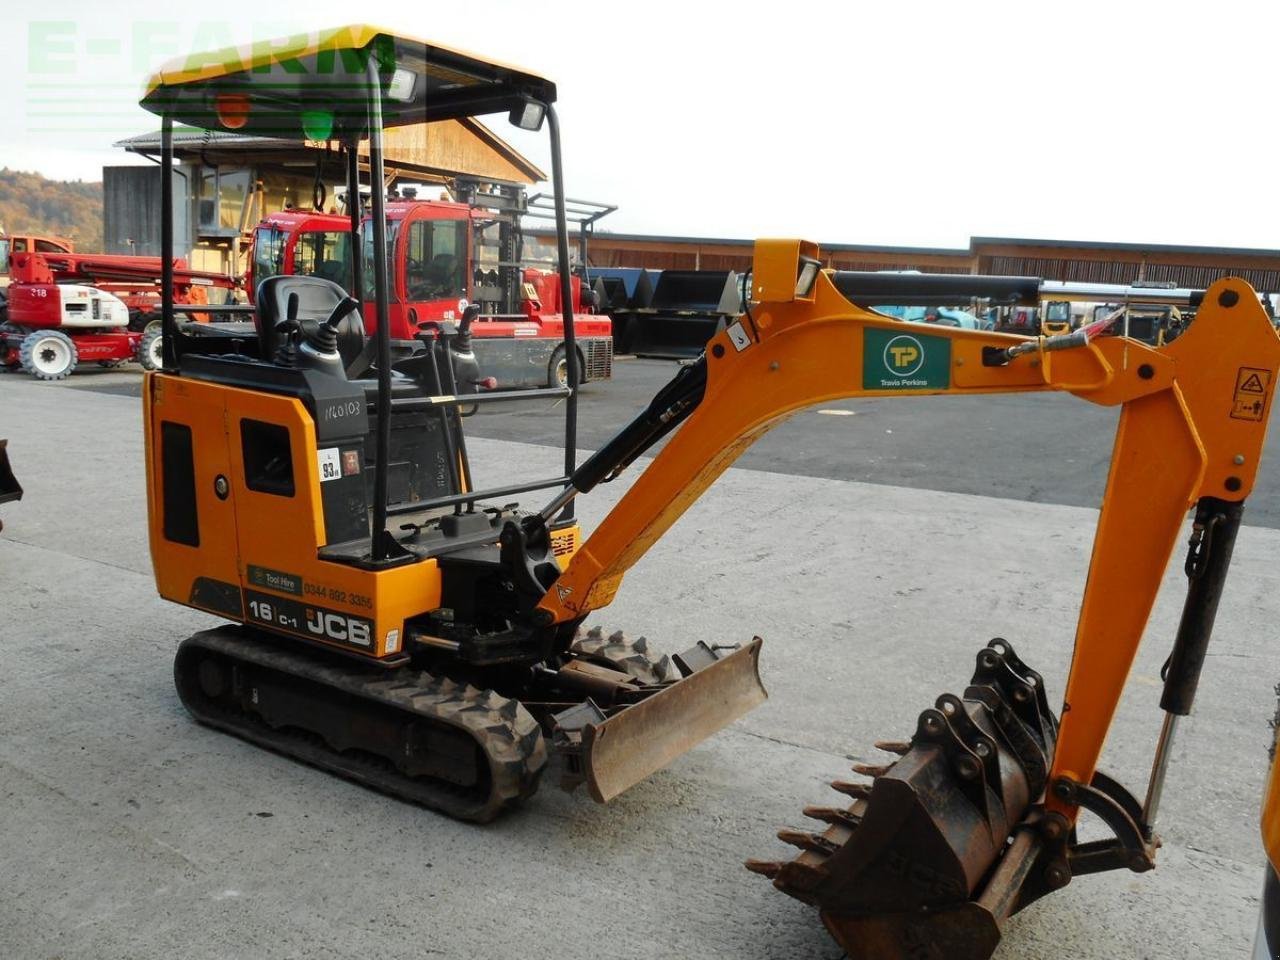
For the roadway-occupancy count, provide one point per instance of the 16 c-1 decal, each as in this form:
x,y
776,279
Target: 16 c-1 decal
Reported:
x,y
308,620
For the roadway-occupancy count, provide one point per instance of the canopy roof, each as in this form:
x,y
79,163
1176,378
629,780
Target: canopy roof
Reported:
x,y
317,86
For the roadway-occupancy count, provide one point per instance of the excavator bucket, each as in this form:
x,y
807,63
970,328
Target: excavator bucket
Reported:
x,y
611,753
933,854
10,489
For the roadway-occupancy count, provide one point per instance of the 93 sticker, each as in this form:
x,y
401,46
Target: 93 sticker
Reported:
x,y
330,464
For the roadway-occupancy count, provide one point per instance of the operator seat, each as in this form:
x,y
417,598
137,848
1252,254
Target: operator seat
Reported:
x,y
317,299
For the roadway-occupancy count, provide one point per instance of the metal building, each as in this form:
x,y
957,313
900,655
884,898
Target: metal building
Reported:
x,y
1069,260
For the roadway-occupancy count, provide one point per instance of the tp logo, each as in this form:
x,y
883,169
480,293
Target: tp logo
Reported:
x,y
903,355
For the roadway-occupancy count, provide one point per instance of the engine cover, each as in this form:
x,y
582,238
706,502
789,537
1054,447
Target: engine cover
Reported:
x,y
65,305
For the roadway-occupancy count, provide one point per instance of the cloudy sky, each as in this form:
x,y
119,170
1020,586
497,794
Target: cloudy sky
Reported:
x,y
862,122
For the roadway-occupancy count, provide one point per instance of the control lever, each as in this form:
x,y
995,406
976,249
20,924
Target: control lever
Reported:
x,y
288,333
341,310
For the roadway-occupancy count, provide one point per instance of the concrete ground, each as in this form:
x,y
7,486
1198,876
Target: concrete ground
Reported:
x,y
131,832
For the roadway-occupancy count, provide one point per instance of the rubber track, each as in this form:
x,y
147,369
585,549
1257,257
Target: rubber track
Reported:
x,y
507,734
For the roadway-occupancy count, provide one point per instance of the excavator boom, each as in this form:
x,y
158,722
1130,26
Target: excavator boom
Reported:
x,y
1191,429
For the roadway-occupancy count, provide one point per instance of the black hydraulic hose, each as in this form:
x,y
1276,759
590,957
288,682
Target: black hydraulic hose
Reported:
x,y
1212,541
668,409
446,419
462,340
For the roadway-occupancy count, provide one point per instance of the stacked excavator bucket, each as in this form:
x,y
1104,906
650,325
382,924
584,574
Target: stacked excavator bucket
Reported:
x,y
920,864
672,313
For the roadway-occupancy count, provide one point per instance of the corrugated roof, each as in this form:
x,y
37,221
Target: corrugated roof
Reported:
x,y
183,136
606,235
403,147
974,244
1123,246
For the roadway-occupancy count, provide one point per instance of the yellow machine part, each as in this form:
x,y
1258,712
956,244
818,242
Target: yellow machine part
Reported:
x,y
255,557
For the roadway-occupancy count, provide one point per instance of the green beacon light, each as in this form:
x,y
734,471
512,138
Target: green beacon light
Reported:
x,y
317,124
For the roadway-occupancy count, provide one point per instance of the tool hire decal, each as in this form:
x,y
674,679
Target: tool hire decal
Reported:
x,y
308,620
904,361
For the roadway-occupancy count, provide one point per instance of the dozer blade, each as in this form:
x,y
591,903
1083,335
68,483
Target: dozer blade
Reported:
x,y
642,739
10,489
934,854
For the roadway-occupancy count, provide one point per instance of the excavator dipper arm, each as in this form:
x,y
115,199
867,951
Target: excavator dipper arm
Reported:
x,y
1192,424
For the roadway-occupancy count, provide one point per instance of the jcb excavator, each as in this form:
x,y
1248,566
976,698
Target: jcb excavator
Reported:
x,y
442,661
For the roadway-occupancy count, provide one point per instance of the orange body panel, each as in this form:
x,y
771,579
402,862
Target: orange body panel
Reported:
x,y
1271,817
265,546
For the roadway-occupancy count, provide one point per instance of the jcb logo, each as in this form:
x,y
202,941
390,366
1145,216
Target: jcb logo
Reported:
x,y
903,356
337,627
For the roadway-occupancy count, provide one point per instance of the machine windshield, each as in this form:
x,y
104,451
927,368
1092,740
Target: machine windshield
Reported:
x,y
366,256
324,253
435,268
268,253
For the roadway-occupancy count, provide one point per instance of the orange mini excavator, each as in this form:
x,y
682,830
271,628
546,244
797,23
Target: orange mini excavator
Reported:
x,y
440,658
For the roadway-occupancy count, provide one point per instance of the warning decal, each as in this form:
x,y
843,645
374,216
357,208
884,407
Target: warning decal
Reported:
x,y
1252,387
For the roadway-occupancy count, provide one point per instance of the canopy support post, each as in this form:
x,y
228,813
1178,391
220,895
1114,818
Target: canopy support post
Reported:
x,y
379,226
168,331
566,304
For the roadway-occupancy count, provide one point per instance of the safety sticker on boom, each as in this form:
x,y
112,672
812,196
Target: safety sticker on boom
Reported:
x,y
1252,387
904,361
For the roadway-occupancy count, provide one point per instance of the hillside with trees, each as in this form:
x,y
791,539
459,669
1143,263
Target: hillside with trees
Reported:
x,y
30,203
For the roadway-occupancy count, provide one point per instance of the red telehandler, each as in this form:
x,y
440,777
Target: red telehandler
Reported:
x,y
444,256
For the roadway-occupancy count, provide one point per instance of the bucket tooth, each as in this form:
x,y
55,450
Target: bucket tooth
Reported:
x,y
900,747
813,842
833,815
872,769
766,868
859,791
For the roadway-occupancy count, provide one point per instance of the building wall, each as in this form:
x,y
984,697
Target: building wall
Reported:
x,y
1195,268
1191,270
131,212
660,253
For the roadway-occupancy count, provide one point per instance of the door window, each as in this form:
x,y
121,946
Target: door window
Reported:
x,y
437,260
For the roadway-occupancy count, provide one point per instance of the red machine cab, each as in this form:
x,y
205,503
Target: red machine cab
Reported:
x,y
443,256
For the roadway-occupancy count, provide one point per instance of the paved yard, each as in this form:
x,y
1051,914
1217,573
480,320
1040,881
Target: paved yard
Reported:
x,y
131,832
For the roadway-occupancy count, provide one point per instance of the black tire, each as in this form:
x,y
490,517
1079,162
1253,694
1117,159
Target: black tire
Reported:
x,y
48,355
150,348
619,652
558,368
139,320
12,333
